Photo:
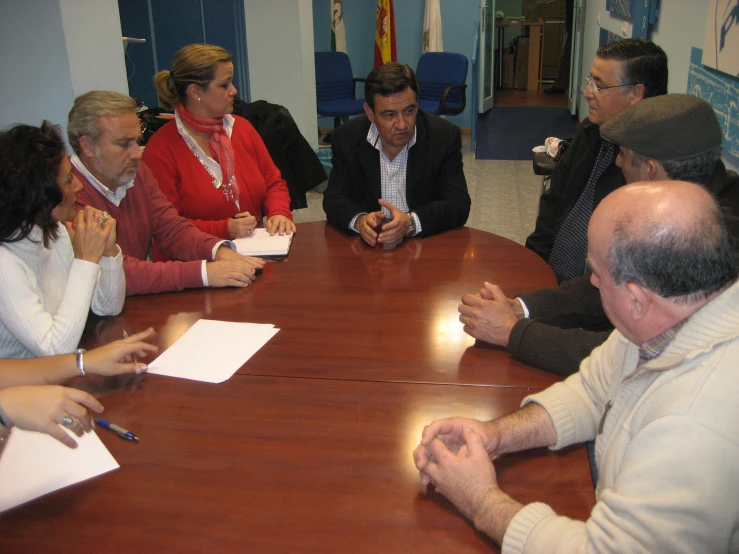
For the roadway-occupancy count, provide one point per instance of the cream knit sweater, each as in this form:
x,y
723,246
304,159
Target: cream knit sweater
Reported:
x,y
46,295
668,455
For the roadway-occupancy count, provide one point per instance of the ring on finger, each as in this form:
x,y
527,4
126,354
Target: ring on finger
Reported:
x,y
103,218
67,421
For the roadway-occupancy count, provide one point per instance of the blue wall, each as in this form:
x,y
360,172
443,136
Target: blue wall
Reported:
x,y
177,24
459,21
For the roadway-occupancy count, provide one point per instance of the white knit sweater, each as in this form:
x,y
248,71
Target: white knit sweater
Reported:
x,y
668,455
46,295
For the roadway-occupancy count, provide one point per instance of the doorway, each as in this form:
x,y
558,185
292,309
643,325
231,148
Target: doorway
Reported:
x,y
516,20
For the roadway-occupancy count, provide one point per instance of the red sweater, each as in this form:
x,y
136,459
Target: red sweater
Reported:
x,y
186,183
145,214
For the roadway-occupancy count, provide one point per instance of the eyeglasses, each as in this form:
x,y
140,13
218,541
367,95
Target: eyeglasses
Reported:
x,y
597,89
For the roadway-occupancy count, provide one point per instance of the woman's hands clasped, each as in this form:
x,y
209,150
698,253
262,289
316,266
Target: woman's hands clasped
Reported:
x,y
93,235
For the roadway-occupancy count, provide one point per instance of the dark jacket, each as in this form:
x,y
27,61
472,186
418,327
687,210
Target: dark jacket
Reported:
x,y
291,153
566,323
569,178
436,189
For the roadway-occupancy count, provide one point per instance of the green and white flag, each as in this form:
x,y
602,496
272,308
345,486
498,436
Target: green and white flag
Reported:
x,y
338,34
432,37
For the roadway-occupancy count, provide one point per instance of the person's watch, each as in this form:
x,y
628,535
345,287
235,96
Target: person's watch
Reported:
x,y
412,227
80,361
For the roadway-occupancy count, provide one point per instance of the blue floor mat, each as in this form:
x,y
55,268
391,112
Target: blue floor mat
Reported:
x,y
510,132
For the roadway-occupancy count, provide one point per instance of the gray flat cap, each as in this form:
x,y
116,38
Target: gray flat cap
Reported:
x,y
668,127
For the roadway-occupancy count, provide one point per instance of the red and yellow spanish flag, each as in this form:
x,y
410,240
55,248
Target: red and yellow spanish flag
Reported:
x,y
385,33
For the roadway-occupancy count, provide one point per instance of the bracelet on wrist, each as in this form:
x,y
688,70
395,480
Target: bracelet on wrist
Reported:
x,y
80,361
411,225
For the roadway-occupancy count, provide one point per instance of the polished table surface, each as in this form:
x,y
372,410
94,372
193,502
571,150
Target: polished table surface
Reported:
x,y
347,311
308,447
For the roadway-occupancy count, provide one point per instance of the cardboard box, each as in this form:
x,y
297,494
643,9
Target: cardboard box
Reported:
x,y
521,78
509,66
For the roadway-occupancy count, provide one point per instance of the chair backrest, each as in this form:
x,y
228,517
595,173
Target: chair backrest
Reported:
x,y
438,70
334,77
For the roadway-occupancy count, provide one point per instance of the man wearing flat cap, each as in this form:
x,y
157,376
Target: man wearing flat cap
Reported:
x,y
674,136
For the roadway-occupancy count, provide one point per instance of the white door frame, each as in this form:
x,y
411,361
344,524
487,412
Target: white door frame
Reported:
x,y
578,35
486,56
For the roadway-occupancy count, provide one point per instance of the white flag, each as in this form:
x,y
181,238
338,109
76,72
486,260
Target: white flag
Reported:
x,y
432,37
338,34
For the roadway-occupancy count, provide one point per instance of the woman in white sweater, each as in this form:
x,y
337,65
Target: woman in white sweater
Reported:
x,y
55,263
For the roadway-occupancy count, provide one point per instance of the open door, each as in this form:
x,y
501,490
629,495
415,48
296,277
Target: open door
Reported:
x,y
578,33
486,73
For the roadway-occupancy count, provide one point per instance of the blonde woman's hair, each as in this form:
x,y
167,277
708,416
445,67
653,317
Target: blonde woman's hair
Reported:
x,y
192,64
87,110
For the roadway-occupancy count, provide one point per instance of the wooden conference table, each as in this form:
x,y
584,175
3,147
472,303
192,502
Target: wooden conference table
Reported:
x,y
308,447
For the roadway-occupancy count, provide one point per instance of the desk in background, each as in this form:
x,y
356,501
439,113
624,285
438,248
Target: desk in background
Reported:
x,y
536,38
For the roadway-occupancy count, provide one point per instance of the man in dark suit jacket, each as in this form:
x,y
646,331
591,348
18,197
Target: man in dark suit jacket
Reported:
x,y
668,137
623,73
397,172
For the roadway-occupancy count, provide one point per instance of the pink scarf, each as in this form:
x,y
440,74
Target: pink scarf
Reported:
x,y
220,143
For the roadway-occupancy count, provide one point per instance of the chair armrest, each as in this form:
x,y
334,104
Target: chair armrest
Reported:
x,y
447,90
357,80
543,163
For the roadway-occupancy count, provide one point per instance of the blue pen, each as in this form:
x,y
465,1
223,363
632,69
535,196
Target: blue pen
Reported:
x,y
118,430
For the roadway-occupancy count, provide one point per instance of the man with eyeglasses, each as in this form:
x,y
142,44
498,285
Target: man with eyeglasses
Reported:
x,y
623,73
555,329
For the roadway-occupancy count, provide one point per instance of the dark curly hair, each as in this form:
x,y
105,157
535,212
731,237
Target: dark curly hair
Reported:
x,y
30,158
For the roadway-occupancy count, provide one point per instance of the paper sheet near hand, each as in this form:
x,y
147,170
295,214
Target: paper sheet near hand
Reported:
x,y
212,351
261,243
35,464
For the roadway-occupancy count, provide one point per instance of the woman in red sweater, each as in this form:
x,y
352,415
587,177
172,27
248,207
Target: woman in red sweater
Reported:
x,y
212,165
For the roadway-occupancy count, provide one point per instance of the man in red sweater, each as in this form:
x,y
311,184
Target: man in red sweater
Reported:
x,y
104,132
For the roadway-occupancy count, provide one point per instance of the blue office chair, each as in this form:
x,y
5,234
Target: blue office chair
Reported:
x,y
335,86
441,78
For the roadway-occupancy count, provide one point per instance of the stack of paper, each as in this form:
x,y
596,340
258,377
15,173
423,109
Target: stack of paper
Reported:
x,y
212,351
261,243
34,464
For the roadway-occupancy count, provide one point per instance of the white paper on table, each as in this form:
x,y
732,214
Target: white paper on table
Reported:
x,y
261,243
212,351
35,464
